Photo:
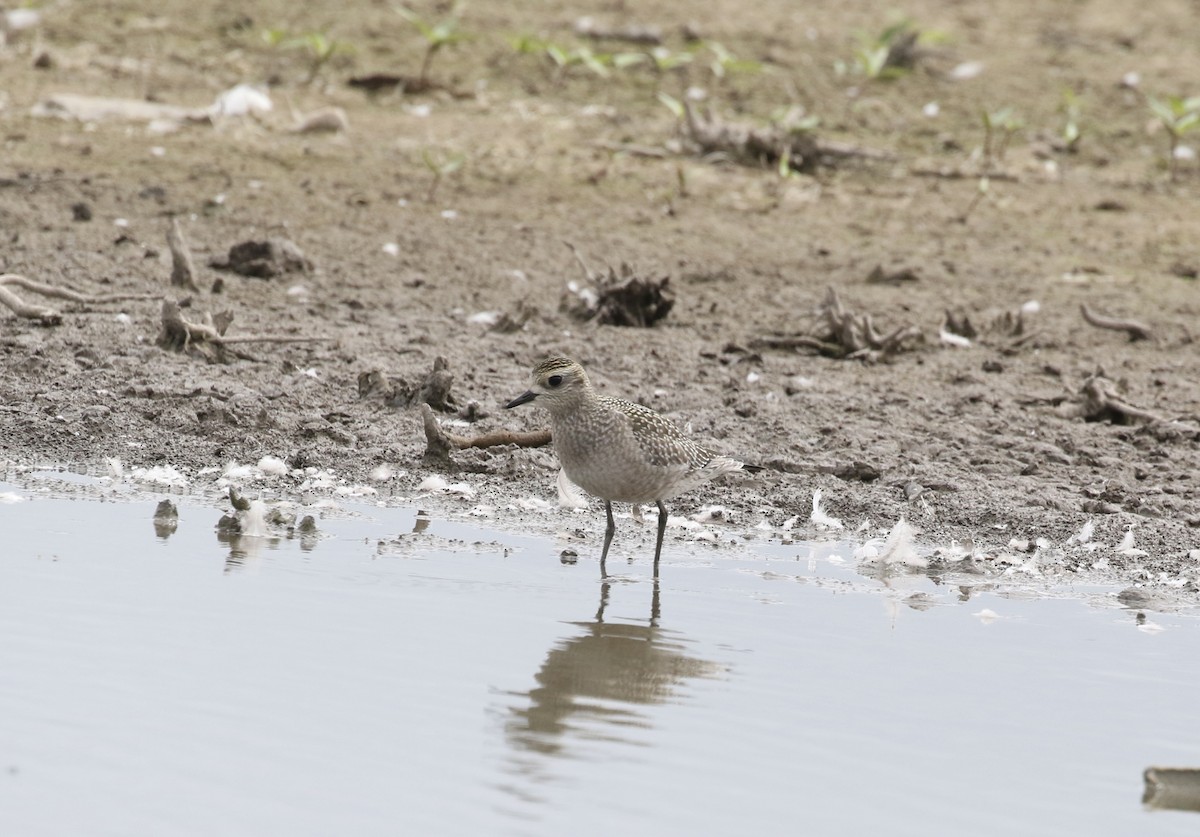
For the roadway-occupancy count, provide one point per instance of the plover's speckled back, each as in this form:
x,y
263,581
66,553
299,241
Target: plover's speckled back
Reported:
x,y
615,449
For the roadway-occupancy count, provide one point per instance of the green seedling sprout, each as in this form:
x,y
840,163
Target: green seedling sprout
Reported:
x,y
320,49
983,191
724,63
665,60
888,55
672,104
1178,115
438,35
1004,122
563,60
1072,133
440,167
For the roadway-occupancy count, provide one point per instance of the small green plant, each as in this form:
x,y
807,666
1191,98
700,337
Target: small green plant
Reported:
x,y
1179,116
664,60
320,50
1072,131
672,104
724,63
983,190
319,46
437,36
580,56
441,167
998,129
890,54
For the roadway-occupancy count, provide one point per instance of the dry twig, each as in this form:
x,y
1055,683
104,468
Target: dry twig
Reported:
x,y
51,316
758,146
183,271
208,336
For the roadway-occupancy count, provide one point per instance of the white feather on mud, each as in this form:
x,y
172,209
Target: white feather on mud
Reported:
x,y
820,517
438,484
956,341
355,490
708,514
1084,534
534,504
159,474
570,496
1126,546
273,466
382,473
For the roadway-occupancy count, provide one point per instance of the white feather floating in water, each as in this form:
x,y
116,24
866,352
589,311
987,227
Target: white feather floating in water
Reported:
x,y
254,520
819,516
898,548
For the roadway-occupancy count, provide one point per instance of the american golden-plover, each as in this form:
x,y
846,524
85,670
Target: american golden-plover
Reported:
x,y
615,449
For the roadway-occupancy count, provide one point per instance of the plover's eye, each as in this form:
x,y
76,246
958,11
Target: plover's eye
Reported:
x,y
554,380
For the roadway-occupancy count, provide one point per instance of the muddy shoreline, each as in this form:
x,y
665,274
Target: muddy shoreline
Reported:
x,y
988,443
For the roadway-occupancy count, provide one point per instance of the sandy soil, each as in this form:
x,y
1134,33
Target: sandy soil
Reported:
x,y
988,442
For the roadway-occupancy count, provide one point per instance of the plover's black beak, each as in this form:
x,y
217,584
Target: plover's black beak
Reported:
x,y
528,396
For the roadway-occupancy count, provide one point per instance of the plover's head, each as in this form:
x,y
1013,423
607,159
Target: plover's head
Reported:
x,y
559,384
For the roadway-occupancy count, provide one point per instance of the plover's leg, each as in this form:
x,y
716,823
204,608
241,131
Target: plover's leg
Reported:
x,y
662,527
609,531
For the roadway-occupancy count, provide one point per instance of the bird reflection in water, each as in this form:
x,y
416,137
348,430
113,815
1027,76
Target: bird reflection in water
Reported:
x,y
599,677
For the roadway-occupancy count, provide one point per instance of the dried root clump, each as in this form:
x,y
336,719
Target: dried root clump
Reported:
x,y
1098,400
1007,331
619,298
265,259
844,334
433,389
206,339
708,135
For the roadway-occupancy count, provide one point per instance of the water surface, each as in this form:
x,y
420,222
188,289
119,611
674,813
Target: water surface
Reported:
x,y
461,680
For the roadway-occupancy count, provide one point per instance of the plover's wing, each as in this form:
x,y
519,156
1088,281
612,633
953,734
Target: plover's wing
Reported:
x,y
660,440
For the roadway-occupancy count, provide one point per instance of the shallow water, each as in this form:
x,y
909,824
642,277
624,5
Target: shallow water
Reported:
x,y
461,680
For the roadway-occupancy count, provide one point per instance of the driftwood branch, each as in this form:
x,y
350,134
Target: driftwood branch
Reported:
x,y
51,316
439,443
1136,330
